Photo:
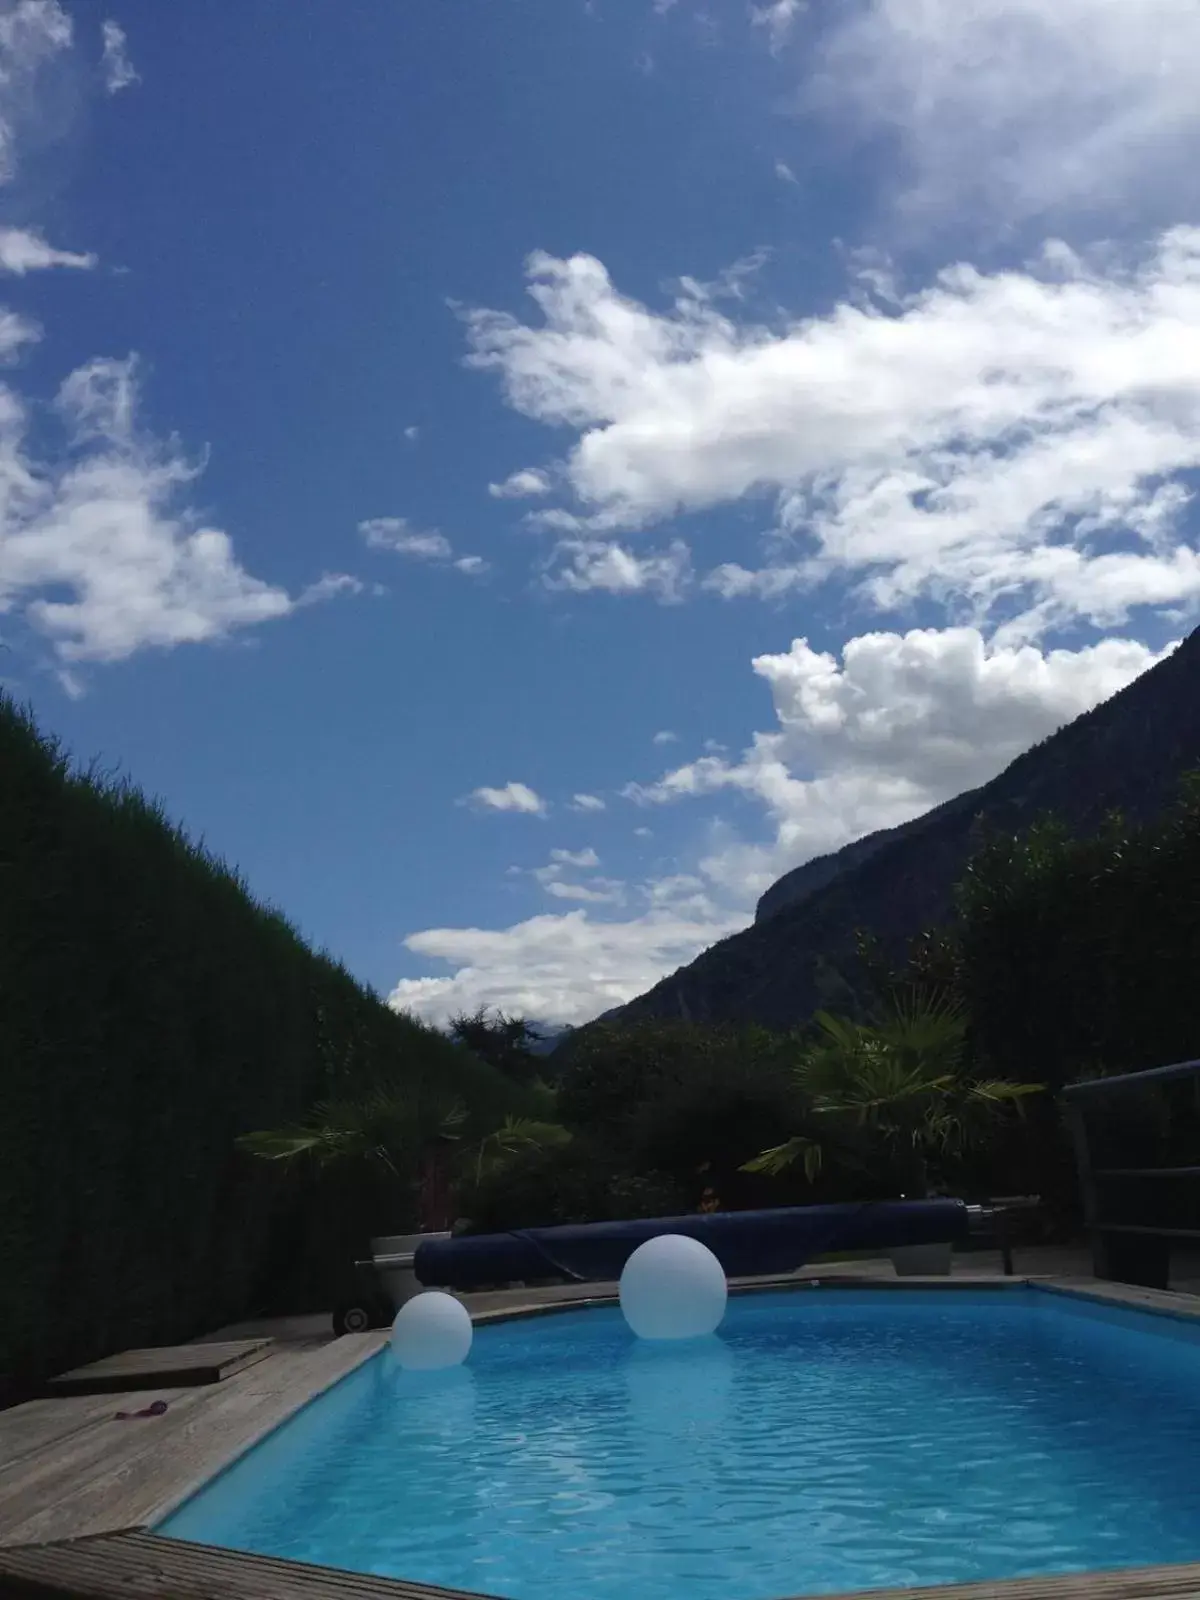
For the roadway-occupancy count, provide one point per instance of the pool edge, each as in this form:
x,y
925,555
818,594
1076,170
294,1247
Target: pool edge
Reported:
x,y
91,1559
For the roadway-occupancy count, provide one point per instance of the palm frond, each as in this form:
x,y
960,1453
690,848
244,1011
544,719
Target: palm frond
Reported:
x,y
782,1156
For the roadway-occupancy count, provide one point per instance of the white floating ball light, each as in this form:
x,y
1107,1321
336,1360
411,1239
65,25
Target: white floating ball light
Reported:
x,y
673,1287
431,1331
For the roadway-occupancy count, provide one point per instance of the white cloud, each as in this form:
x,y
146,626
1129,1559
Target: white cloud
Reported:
x,y
522,485
899,724
119,72
586,857
597,892
777,17
784,173
584,565
328,586
1012,440
587,802
412,433
665,736
24,250
32,34
1023,107
399,536
96,549
511,797
565,968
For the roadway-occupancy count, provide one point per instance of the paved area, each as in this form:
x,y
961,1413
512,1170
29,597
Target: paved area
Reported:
x,y
1036,1261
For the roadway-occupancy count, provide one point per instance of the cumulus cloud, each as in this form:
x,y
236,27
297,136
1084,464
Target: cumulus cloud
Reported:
x,y
98,548
24,250
560,968
894,726
1019,108
587,802
119,72
1014,441
517,797
399,536
897,725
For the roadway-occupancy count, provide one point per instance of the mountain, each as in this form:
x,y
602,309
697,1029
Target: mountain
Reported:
x,y
1128,754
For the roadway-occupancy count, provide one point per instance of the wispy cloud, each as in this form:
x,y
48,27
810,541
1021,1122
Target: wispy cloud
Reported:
x,y
399,536
119,72
1019,109
586,857
32,34
585,565
777,18
24,250
99,550
587,802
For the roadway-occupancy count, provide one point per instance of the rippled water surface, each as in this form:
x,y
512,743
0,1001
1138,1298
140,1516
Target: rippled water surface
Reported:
x,y
821,1441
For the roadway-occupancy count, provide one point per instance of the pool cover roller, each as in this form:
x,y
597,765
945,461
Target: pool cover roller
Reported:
x,y
746,1243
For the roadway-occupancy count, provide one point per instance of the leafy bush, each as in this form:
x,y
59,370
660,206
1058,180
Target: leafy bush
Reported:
x,y
585,1181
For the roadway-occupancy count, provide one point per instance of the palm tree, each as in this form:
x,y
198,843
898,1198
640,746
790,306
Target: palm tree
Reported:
x,y
420,1135
895,1088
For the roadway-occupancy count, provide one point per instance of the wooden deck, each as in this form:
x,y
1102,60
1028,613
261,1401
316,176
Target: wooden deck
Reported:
x,y
69,1469
175,1366
145,1566
79,1489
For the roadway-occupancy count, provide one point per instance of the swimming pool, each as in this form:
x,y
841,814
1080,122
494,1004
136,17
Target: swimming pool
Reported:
x,y
823,1441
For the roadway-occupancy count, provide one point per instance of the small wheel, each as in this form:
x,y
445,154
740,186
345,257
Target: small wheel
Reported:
x,y
352,1319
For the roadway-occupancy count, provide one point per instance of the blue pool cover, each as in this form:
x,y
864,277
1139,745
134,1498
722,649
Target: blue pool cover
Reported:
x,y
746,1243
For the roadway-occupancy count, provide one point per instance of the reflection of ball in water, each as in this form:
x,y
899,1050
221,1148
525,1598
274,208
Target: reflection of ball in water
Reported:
x,y
432,1330
673,1287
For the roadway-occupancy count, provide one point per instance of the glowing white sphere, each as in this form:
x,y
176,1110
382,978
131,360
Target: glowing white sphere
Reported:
x,y
432,1330
673,1287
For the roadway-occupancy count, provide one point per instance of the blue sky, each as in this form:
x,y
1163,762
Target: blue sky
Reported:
x,y
760,420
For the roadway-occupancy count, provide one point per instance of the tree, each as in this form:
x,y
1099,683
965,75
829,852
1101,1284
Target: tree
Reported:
x,y
892,1092
506,1043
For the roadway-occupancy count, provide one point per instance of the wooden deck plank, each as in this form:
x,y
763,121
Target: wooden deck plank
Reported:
x,y
118,1475
141,1566
149,1567
162,1367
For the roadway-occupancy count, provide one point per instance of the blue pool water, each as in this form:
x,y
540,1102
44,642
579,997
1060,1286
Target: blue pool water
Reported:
x,y
822,1441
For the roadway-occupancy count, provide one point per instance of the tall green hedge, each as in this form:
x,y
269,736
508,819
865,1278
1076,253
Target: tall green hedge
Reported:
x,y
150,1011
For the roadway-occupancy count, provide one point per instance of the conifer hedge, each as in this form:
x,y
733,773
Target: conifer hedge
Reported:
x,y
150,1012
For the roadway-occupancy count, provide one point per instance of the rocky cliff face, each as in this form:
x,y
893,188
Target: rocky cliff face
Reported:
x,y
1128,754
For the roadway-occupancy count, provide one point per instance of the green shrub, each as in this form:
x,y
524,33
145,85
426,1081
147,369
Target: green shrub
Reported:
x,y
585,1181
